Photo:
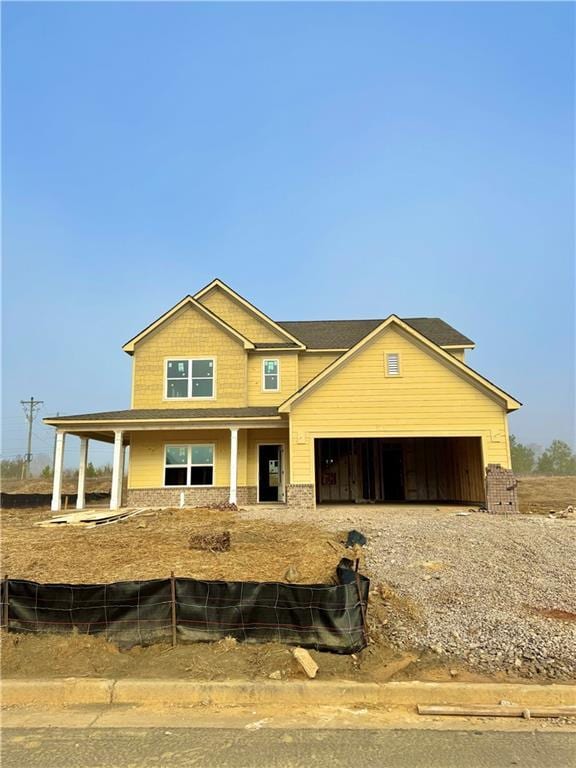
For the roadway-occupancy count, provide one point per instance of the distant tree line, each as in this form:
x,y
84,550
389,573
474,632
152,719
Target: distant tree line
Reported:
x,y
13,469
91,471
557,459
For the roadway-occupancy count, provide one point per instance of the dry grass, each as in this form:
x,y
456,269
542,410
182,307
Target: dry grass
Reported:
x,y
152,544
539,493
42,485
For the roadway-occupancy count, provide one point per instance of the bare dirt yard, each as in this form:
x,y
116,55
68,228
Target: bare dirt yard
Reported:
x,y
453,596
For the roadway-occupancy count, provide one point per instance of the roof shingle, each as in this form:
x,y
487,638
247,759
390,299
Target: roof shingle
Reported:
x,y
343,334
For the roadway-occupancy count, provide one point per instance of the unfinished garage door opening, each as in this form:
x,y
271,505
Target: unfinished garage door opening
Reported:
x,y
386,470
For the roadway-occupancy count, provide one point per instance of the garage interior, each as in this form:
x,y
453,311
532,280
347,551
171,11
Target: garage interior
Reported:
x,y
394,470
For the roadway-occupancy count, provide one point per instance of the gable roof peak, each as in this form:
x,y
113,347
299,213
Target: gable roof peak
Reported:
x,y
218,283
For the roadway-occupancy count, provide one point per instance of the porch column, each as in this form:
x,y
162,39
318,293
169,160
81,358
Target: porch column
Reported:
x,y
233,465
117,470
58,467
82,472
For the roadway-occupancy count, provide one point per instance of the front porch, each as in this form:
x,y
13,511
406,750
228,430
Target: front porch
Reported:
x,y
182,459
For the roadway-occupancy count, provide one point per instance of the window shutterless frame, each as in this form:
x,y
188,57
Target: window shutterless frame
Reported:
x,y
182,369
270,374
190,464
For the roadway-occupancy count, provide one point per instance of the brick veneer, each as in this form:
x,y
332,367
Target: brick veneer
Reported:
x,y
501,493
193,497
301,497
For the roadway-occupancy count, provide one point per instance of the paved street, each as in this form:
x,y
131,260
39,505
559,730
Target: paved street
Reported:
x,y
232,748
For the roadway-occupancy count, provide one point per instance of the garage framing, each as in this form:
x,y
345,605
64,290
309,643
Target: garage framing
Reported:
x,y
395,470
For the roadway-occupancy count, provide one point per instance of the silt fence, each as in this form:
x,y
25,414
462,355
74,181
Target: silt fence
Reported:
x,y
321,616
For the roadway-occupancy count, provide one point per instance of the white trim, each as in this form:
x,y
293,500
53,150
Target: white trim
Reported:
x,y
189,379
58,468
263,380
189,464
116,492
81,495
233,465
282,486
458,346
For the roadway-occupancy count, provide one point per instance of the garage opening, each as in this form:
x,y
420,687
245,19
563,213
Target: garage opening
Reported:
x,y
384,470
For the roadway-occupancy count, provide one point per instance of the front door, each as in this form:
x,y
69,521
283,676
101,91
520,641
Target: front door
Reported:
x,y
270,473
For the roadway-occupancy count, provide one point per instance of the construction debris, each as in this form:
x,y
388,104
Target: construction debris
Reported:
x,y
306,661
292,575
91,519
212,542
485,710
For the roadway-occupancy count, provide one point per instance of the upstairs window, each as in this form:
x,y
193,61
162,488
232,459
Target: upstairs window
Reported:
x,y
190,378
189,465
392,364
271,375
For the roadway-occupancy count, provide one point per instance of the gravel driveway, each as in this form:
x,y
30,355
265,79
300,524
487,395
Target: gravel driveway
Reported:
x,y
499,592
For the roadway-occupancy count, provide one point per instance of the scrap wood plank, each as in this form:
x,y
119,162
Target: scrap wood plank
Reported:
x,y
89,519
485,710
306,661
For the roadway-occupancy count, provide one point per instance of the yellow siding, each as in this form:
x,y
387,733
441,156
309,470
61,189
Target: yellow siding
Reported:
x,y
458,353
288,377
311,363
240,317
430,398
257,436
147,454
189,333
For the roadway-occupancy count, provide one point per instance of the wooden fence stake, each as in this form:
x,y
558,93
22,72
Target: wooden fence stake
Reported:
x,y
363,612
173,591
5,605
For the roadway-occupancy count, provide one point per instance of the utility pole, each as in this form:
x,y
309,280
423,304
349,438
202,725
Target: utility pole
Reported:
x,y
30,408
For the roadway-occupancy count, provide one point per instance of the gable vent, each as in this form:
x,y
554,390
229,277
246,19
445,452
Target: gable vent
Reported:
x,y
393,364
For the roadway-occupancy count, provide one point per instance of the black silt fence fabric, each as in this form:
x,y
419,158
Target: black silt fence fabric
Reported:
x,y
132,612
320,616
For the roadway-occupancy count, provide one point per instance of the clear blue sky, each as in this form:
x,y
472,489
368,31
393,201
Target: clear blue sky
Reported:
x,y
326,160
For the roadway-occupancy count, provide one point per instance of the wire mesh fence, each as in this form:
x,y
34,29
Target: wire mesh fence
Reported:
x,y
321,616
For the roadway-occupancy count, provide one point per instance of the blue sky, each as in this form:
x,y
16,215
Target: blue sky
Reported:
x,y
326,160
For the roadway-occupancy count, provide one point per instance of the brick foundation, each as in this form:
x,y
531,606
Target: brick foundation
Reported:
x,y
193,497
301,497
501,490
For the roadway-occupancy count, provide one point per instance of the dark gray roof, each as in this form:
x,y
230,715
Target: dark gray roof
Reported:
x,y
343,334
133,414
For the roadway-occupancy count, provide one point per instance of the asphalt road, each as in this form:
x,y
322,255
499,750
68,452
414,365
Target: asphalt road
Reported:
x,y
271,748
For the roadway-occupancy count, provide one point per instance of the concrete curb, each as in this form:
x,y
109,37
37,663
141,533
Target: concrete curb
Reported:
x,y
175,693
70,691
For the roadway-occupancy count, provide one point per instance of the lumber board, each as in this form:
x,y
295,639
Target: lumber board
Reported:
x,y
90,519
485,710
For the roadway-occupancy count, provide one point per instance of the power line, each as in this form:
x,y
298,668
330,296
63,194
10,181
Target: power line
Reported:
x,y
30,408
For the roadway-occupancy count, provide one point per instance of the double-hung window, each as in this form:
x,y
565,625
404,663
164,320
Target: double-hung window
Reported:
x,y
190,378
271,375
189,465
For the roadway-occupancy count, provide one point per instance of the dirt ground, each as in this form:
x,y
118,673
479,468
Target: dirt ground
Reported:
x,y
154,543
541,494
41,485
48,656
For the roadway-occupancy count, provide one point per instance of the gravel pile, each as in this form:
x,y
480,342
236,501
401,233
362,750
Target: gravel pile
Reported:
x,y
474,586
498,592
